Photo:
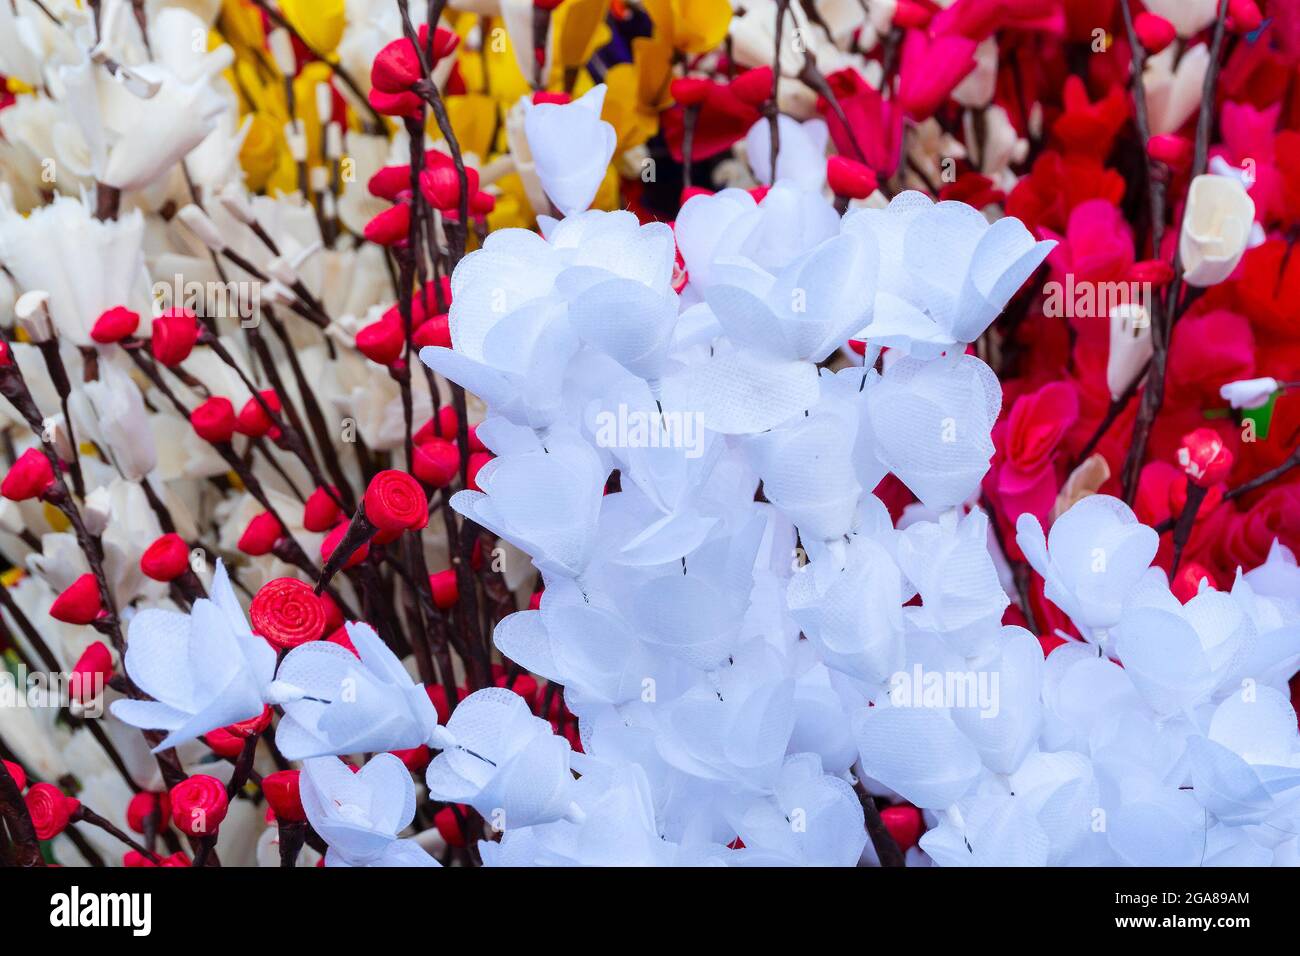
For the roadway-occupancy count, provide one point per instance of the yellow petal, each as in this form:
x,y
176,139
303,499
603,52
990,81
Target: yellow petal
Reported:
x,y
259,156
700,25
578,31
320,22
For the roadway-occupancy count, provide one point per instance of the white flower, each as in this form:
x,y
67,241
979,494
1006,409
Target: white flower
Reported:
x,y
337,702
1098,551
1249,392
945,272
1216,228
571,147
205,669
1130,346
360,814
802,157
1174,92
87,266
110,411
506,763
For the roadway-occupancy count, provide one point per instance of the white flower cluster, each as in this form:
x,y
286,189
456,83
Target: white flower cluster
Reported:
x,y
733,620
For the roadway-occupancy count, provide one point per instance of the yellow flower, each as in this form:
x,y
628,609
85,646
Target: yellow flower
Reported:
x,y
260,154
579,30
691,26
320,22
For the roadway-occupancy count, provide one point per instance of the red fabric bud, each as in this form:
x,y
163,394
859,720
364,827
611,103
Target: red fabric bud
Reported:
x,y
482,203
396,68
199,805
281,792
287,613
50,809
1187,582
434,331
1153,32
1204,457
753,87
92,671
30,477
173,336
395,502
850,178
441,186
406,105
382,342
260,535
214,420
391,226
321,512
166,559
253,420
476,462
436,462
80,603
224,743
333,616
449,827
414,758
20,775
114,325
142,806
332,541
390,182
904,824
340,637
444,588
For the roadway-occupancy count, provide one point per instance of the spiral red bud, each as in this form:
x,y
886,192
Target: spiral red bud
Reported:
x,y
199,804
287,613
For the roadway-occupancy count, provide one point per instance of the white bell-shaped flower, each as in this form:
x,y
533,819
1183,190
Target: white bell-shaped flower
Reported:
x,y
360,814
204,670
811,818
337,702
506,763
1247,766
1094,555
571,147
946,273
1216,228
545,503
917,751
932,422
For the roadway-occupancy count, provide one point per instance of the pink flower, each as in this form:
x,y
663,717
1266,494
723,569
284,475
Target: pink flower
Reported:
x,y
930,69
1029,438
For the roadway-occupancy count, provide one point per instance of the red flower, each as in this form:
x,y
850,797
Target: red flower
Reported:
x,y
199,804
287,613
91,672
1204,457
321,512
930,69
214,420
395,502
50,809
1026,478
114,325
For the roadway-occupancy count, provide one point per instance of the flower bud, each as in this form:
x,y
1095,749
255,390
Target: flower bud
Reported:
x,y
143,805
91,672
20,776
199,804
382,342
395,502
166,559
849,178
1204,457
50,809
173,336
321,512
436,462
260,535
214,420
391,226
30,477
444,588
281,792
114,325
1153,32
287,612
80,603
